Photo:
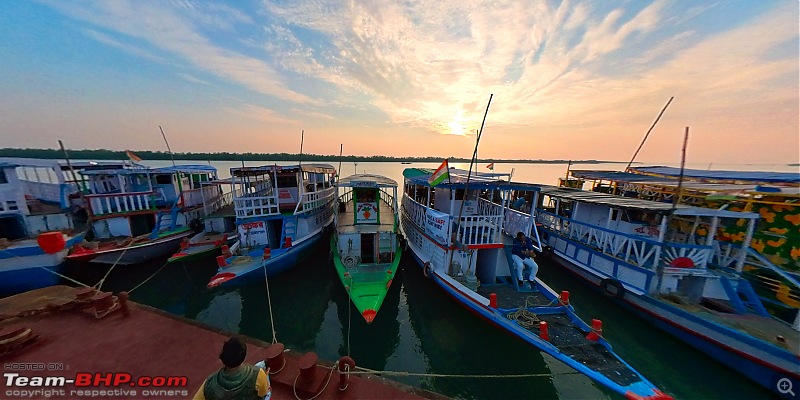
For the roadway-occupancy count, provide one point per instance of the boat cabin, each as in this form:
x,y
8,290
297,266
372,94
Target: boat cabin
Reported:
x,y
366,222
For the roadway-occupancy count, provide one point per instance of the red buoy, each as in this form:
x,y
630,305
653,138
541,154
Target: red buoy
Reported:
x,y
51,242
222,262
226,251
267,252
493,300
288,242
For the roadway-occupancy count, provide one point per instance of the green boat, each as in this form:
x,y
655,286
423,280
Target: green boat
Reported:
x,y
366,243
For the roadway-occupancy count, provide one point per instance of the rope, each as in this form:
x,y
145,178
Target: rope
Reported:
x,y
365,371
349,311
64,276
269,303
99,285
346,372
330,374
524,318
151,277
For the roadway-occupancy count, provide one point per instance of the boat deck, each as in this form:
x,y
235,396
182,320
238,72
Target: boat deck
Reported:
x,y
346,221
567,337
148,342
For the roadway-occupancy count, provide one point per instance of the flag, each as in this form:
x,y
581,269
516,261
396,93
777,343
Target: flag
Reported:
x,y
441,173
490,166
132,157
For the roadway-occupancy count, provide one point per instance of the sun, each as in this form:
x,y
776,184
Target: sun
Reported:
x,y
456,127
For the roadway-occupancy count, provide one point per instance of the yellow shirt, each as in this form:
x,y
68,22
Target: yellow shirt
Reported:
x,y
262,386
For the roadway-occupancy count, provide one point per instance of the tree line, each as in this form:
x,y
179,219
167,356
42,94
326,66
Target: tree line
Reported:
x,y
104,154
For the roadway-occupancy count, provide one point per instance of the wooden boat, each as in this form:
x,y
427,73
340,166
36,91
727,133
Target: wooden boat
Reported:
x,y
773,195
456,232
140,214
281,212
36,225
366,247
667,264
219,227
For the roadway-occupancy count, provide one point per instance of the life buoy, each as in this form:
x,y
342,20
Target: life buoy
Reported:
x,y
426,269
612,288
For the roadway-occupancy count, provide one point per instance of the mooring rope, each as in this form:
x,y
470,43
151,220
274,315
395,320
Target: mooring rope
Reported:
x,y
65,277
365,371
150,277
269,303
330,374
99,285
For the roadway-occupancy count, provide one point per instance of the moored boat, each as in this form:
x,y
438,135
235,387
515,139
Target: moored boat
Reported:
x,y
281,212
366,247
141,214
455,230
666,263
36,225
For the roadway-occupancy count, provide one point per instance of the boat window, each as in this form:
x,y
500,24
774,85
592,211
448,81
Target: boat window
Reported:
x,y
163,179
3,178
287,180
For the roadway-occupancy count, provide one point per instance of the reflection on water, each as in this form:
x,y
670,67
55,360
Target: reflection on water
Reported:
x,y
224,312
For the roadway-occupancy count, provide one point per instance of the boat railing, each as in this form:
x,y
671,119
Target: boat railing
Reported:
x,y
311,201
414,210
479,229
486,207
194,197
633,249
700,255
217,202
387,199
346,197
516,221
119,203
255,206
471,229
49,192
726,254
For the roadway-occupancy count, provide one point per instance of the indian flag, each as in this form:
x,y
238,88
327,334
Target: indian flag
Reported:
x,y
441,173
132,157
490,166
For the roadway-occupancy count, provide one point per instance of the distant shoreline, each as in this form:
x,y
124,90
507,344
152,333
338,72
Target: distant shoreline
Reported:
x,y
103,154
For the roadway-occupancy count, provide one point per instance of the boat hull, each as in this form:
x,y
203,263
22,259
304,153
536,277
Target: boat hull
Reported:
x,y
197,250
25,266
138,253
762,362
367,292
251,266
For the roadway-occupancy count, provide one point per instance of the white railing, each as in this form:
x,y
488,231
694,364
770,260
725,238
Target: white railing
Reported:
x,y
194,197
387,198
635,250
517,221
346,197
486,207
217,202
255,206
414,210
49,192
479,229
699,254
313,200
104,204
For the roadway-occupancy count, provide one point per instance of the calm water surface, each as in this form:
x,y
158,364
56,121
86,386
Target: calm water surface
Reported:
x,y
419,329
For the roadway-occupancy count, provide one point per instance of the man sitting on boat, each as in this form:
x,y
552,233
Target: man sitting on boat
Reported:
x,y
236,380
522,253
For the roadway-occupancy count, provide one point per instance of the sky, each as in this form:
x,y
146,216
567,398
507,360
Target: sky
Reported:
x,y
567,79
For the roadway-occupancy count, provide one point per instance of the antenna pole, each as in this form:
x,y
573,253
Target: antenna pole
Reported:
x,y
648,132
677,199
171,156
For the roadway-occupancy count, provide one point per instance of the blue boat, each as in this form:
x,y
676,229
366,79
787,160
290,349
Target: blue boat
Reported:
x,y
36,223
665,263
140,214
281,212
458,232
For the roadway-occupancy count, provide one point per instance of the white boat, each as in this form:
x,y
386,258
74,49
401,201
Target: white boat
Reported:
x,y
36,225
666,263
458,231
281,212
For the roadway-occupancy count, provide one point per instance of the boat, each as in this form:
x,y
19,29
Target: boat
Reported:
x,y
140,214
456,231
62,335
668,264
773,195
219,228
36,224
281,212
365,245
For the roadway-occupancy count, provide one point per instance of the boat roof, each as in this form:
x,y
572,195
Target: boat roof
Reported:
x,y
721,175
727,188
633,203
366,180
56,164
263,169
190,168
477,180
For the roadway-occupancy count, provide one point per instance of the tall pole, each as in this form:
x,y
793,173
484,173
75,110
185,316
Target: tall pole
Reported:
x,y
171,156
677,199
648,132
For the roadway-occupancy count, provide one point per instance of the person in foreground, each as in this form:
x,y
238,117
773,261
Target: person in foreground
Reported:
x,y
522,253
236,380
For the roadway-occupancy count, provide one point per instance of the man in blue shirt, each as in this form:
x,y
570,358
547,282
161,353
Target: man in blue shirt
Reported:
x,y
522,253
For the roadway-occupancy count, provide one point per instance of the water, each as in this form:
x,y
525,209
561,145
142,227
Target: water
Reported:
x,y
419,329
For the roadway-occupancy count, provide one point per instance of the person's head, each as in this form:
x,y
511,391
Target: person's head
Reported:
x,y
520,236
233,353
